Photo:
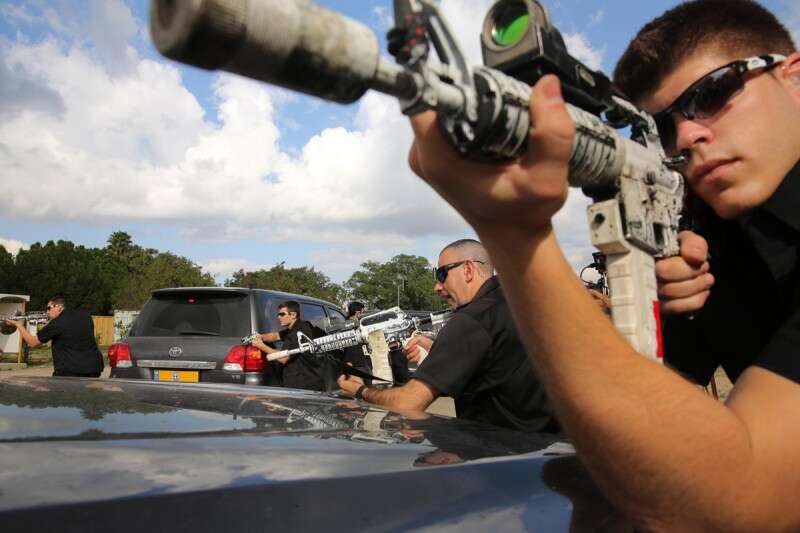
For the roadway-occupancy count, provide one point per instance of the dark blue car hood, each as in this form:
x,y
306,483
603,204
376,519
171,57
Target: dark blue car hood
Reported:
x,y
81,454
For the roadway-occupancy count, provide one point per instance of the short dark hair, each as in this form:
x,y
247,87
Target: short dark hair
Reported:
x,y
743,27
353,308
291,306
59,299
474,250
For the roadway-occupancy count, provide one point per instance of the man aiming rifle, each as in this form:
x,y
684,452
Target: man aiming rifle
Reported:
x,y
720,83
670,456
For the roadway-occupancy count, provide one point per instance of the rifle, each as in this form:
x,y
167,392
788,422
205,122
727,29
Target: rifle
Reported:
x,y
30,318
483,111
380,331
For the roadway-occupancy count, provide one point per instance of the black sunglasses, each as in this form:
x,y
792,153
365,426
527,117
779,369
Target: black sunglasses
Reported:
x,y
282,313
708,95
440,273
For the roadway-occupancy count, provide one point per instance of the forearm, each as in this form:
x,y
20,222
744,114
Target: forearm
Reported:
x,y
30,340
402,398
648,437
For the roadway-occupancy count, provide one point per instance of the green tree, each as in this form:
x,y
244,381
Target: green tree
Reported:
x,y
7,271
86,276
164,270
133,257
299,280
407,276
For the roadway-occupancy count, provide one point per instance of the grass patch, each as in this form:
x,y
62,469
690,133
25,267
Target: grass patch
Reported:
x,y
42,355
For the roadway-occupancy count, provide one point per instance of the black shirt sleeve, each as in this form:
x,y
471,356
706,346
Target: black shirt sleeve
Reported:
x,y
456,355
781,353
686,350
51,330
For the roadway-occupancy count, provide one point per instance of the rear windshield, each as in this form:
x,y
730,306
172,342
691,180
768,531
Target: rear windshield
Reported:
x,y
186,314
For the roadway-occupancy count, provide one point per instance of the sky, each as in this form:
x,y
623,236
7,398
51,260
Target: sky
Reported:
x,y
99,133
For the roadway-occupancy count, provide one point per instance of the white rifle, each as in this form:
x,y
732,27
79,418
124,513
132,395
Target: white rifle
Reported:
x,y
379,331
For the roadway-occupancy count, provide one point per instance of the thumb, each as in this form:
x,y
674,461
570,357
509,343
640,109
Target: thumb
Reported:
x,y
694,248
552,129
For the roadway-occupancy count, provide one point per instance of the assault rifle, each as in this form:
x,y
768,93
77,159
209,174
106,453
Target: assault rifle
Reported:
x,y
379,331
30,318
483,110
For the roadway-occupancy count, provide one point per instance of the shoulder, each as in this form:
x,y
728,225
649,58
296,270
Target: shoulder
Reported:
x,y
463,332
489,301
460,322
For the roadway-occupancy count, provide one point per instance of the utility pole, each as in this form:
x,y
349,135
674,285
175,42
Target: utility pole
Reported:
x,y
400,281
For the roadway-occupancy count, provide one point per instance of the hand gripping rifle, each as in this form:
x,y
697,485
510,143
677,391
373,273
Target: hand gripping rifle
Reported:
x,y
380,331
482,110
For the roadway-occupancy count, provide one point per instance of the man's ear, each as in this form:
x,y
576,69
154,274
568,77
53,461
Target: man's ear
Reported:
x,y
469,271
790,71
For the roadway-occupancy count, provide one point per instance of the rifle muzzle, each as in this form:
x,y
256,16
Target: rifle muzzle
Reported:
x,y
291,43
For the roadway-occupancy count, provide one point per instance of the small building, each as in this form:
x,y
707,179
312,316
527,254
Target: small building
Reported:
x,y
11,305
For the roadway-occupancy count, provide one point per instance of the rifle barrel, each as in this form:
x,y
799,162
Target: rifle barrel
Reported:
x,y
291,43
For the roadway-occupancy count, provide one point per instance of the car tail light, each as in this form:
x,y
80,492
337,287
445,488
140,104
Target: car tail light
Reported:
x,y
247,358
253,359
119,355
234,361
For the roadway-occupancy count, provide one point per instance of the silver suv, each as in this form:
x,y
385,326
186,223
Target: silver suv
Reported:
x,y
194,335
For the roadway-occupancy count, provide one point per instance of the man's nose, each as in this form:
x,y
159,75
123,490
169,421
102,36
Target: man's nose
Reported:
x,y
691,132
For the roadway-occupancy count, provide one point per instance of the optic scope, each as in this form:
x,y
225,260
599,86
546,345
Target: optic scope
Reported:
x,y
518,39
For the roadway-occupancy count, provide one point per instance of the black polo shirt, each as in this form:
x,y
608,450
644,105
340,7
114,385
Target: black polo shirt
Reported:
x,y
752,316
302,371
75,351
478,359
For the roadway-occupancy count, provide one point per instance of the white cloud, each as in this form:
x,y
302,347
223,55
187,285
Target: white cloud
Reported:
x,y
112,36
384,17
340,262
579,46
222,268
133,143
18,13
13,246
596,18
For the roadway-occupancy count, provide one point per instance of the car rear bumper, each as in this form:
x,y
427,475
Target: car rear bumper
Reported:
x,y
204,376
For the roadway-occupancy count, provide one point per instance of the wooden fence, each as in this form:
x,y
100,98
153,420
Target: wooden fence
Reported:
x,y
104,329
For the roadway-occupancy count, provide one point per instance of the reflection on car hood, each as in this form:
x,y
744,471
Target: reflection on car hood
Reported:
x,y
69,443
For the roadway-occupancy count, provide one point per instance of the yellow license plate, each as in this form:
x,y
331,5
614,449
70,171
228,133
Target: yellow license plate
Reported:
x,y
186,376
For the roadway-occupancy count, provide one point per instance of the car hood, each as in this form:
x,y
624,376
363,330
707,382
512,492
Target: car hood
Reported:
x,y
300,460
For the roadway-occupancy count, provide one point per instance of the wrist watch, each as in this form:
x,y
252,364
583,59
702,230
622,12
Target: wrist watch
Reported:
x,y
359,395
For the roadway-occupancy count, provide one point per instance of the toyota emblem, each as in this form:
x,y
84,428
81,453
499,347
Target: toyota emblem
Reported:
x,y
175,351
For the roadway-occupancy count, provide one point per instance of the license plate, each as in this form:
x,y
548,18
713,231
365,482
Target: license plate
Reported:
x,y
186,376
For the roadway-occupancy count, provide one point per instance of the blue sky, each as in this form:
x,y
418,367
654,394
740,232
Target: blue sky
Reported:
x,y
98,133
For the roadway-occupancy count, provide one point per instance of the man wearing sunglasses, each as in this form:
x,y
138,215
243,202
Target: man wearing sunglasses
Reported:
x,y
668,455
74,348
299,371
477,358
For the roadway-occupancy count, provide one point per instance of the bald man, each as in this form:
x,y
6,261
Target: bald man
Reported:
x,y
477,358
